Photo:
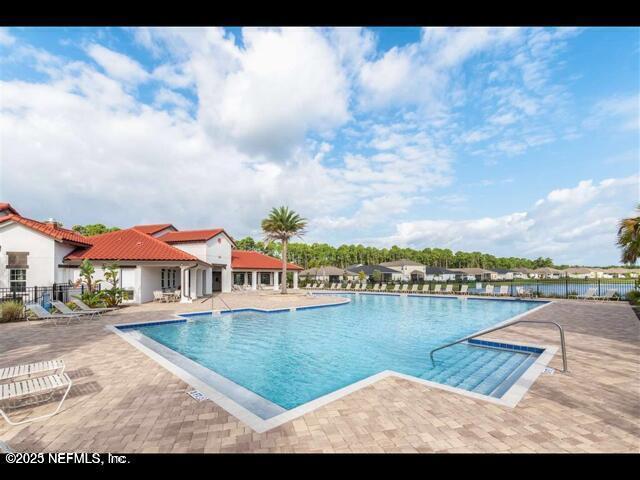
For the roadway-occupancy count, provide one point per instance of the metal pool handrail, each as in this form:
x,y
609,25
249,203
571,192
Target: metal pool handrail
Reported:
x,y
562,343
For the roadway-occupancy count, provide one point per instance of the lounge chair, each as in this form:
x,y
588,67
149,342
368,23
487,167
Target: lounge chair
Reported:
x,y
609,295
376,287
42,314
15,373
414,288
332,286
504,290
405,287
448,289
437,288
39,388
464,290
308,285
396,288
62,308
522,292
350,286
383,287
425,288
589,295
86,308
488,290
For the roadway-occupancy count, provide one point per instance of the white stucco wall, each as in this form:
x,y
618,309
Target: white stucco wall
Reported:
x,y
41,259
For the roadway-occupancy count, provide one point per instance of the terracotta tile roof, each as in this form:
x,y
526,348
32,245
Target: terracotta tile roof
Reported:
x,y
7,206
258,261
58,233
152,228
190,235
129,244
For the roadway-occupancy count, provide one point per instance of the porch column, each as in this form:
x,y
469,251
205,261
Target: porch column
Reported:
x,y
193,285
295,279
184,280
276,275
254,280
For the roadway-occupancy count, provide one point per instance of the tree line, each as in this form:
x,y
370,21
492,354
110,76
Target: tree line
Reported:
x,y
322,254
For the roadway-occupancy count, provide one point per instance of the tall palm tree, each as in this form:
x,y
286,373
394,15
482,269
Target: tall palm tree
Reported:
x,y
281,225
629,238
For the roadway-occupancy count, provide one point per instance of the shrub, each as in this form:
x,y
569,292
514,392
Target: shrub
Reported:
x,y
11,311
634,297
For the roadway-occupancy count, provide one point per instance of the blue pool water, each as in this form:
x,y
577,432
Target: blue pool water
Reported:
x,y
290,358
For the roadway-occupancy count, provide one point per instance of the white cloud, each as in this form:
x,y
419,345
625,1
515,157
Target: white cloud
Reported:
x,y
571,225
619,113
6,38
118,65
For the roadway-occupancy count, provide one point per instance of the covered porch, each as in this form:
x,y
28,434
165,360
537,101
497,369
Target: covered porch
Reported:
x,y
258,279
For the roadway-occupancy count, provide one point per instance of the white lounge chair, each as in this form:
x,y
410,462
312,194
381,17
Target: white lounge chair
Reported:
x,y
523,292
42,314
414,288
448,289
609,295
383,287
437,288
350,286
357,286
425,288
396,288
589,295
62,308
38,388
86,308
464,290
504,290
376,287
28,370
488,290
405,287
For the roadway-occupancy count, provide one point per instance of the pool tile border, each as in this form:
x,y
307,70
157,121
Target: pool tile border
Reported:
x,y
510,398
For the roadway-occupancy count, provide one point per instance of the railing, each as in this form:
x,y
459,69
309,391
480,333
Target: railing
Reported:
x,y
563,287
41,295
560,329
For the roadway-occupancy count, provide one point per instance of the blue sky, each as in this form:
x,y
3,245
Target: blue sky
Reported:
x,y
520,142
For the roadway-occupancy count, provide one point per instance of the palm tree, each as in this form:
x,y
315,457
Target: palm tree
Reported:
x,y
629,238
281,225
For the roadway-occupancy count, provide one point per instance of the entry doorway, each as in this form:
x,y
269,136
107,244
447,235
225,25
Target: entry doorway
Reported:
x,y
216,281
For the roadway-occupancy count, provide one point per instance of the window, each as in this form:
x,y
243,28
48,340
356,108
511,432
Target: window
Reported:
x,y
167,278
17,260
265,278
18,280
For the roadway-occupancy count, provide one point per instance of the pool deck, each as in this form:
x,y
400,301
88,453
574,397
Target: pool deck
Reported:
x,y
123,401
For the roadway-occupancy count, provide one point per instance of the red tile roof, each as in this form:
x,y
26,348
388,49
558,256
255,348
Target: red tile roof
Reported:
x,y
58,233
190,235
7,206
152,228
243,259
129,244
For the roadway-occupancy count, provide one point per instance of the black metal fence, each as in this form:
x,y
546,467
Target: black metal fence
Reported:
x,y
41,295
564,287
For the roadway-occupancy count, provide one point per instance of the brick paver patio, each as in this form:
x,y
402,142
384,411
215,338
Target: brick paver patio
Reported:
x,y
123,401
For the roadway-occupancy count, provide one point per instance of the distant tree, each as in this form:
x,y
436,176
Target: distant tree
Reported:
x,y
246,243
93,229
377,276
629,238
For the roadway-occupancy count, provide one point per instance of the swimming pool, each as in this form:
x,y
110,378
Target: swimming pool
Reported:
x,y
288,358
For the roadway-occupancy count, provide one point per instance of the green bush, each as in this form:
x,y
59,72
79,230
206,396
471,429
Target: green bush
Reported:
x,y
634,297
11,311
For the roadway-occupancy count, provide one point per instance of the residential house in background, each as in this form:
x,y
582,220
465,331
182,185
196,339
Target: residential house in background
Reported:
x,y
386,274
439,274
329,274
410,270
